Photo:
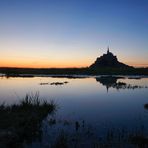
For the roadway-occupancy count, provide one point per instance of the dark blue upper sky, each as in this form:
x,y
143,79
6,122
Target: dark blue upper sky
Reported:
x,y
57,32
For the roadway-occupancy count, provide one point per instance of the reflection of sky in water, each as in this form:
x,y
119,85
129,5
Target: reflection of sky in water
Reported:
x,y
84,99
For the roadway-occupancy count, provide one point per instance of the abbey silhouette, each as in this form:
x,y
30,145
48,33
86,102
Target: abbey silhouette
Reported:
x,y
108,60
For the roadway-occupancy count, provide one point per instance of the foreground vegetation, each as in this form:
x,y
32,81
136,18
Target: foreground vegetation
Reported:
x,y
71,71
21,123
80,134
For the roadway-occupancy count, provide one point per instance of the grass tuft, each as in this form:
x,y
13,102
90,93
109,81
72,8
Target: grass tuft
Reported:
x,y
22,122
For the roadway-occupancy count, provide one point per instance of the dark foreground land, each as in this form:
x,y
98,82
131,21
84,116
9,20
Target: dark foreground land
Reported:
x,y
21,123
76,71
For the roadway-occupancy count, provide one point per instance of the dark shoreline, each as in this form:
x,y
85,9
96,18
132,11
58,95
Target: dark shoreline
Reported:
x,y
29,72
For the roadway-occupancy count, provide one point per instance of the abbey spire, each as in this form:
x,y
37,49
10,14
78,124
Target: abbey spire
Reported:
x,y
108,50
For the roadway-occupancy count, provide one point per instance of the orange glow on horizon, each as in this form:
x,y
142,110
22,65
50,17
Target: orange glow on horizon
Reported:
x,y
44,64
61,63
57,64
135,63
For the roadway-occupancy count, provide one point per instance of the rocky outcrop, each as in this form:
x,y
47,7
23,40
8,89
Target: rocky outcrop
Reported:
x,y
108,60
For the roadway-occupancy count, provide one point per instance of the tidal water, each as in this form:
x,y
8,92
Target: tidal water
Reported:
x,y
86,104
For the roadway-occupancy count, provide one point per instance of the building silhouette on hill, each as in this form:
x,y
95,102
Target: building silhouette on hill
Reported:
x,y
108,60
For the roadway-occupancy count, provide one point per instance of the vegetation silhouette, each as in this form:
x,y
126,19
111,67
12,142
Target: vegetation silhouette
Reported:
x,y
20,123
54,83
82,134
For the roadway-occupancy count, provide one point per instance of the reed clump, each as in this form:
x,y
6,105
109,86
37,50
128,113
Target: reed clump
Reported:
x,y
21,122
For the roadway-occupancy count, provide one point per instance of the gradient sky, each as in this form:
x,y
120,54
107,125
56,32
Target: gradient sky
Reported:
x,y
72,33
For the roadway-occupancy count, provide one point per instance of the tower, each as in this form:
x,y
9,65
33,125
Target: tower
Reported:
x,y
108,50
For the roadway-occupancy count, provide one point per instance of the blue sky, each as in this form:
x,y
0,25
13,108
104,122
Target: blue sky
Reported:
x,y
72,33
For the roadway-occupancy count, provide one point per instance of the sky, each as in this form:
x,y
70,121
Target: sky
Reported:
x,y
72,33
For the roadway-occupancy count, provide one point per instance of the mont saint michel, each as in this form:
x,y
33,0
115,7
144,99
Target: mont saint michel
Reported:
x,y
106,64
108,60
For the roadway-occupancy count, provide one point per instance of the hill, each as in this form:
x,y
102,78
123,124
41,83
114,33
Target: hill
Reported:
x,y
108,60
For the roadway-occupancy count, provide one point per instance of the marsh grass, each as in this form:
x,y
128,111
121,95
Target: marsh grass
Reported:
x,y
61,141
21,122
80,134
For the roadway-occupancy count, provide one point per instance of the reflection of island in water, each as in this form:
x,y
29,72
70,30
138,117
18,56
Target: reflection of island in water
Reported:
x,y
111,82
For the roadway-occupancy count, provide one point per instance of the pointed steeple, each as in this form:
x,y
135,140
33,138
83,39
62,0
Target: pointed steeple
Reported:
x,y
108,50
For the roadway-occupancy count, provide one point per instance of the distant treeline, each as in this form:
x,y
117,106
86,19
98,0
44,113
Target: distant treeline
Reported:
x,y
76,71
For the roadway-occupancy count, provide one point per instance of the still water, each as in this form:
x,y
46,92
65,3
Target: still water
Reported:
x,y
100,103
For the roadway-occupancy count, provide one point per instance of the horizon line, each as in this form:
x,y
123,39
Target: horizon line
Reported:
x,y
57,67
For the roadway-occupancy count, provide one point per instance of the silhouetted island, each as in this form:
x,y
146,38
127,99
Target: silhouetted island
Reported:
x,y
107,64
108,60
